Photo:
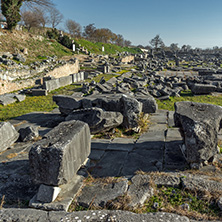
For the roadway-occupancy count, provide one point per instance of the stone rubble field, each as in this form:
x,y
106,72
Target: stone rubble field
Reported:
x,y
54,166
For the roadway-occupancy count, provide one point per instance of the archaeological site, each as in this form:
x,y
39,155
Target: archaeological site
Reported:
x,y
92,130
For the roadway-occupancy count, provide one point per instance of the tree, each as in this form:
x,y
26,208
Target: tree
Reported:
x,y
11,9
174,47
120,40
89,32
30,19
157,42
55,17
127,43
186,48
73,27
41,16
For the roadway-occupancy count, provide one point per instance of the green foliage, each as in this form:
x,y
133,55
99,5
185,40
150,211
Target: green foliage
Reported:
x,y
11,11
30,104
53,34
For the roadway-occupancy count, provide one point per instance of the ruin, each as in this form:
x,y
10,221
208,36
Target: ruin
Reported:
x,y
52,153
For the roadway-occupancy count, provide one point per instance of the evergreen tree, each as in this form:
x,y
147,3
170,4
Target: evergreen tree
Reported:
x,y
11,11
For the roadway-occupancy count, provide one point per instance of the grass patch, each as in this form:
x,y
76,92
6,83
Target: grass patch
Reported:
x,y
183,202
109,48
187,96
30,104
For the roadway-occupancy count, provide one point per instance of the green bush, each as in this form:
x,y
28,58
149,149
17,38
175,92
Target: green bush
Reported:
x,y
66,41
53,34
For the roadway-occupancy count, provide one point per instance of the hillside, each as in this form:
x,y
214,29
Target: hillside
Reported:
x,y
38,46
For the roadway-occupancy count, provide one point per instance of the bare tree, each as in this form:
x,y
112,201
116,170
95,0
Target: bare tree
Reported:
x,y
30,19
120,40
127,43
73,27
11,9
55,17
41,15
34,3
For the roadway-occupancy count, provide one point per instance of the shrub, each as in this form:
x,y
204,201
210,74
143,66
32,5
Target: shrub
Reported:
x,y
66,41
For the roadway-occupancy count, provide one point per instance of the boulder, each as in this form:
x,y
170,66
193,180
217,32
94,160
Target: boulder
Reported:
x,y
97,119
8,135
200,124
56,158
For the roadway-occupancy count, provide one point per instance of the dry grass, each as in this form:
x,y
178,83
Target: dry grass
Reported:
x,y
11,155
2,202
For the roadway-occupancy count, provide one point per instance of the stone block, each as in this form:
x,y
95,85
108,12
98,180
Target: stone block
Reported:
x,y
99,194
140,190
7,99
28,133
47,194
200,124
56,158
149,104
8,135
39,92
65,81
51,84
74,77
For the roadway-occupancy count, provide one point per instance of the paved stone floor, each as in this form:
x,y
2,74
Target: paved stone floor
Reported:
x,y
156,150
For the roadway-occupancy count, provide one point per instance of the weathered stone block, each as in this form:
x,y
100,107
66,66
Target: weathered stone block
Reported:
x,y
51,84
8,135
200,124
28,133
65,81
56,158
149,104
47,194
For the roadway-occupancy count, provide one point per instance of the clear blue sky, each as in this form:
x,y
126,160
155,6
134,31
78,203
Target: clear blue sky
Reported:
x,y
194,22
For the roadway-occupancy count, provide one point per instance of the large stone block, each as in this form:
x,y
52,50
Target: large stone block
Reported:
x,y
200,124
97,119
8,135
56,158
67,103
51,84
65,81
199,89
149,104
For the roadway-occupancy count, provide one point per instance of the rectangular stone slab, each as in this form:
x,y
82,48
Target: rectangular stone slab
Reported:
x,y
8,135
56,158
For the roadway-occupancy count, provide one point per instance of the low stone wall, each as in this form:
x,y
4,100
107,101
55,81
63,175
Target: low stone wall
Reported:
x,y
64,70
9,84
128,59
